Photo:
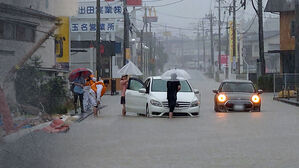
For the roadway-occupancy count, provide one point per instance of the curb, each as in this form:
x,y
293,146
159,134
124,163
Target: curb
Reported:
x,y
83,117
287,101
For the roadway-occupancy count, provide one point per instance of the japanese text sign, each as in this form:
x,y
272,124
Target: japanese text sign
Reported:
x,y
88,9
90,26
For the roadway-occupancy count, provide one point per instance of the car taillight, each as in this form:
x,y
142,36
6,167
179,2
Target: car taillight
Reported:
x,y
255,99
222,98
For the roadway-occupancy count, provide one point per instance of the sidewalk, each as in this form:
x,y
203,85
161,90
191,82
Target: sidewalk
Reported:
x,y
291,101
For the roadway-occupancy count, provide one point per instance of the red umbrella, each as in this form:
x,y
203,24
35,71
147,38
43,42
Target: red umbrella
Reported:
x,y
75,73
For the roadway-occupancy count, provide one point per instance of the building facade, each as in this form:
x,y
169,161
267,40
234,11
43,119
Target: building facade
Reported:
x,y
286,10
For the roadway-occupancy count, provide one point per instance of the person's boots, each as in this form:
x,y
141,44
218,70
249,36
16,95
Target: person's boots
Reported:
x,y
75,108
82,109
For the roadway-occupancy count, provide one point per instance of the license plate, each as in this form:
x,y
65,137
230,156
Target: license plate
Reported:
x,y
239,107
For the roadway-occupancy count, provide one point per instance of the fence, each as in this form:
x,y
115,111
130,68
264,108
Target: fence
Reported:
x,y
286,86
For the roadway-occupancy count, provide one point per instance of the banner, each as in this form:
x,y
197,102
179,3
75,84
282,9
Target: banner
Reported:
x,y
109,10
62,44
90,26
231,46
134,2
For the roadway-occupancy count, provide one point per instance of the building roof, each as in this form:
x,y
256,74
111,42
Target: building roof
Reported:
x,y
280,6
6,8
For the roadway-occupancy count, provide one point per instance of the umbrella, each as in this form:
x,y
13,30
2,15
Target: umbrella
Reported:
x,y
180,73
75,73
130,69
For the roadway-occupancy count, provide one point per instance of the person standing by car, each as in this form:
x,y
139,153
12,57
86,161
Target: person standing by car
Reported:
x,y
173,87
78,92
123,85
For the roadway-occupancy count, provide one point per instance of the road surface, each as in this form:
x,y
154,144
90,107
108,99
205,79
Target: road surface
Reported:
x,y
269,139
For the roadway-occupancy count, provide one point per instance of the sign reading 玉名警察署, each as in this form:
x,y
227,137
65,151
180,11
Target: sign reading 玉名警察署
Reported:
x,y
108,10
91,26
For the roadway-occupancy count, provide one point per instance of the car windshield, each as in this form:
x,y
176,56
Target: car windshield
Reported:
x,y
159,85
237,87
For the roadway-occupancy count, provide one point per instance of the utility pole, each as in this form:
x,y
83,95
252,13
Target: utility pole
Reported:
x,y
126,32
212,42
198,47
204,45
297,48
261,37
227,52
141,51
234,34
99,59
219,35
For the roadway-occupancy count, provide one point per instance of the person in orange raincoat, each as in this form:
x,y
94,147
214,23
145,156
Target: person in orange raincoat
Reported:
x,y
86,105
96,91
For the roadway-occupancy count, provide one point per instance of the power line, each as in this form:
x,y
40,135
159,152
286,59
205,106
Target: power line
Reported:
x,y
179,17
172,3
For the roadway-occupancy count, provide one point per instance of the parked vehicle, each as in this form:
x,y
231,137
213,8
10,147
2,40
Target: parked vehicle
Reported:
x,y
149,98
237,95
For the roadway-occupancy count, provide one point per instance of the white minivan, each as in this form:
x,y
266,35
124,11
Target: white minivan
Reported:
x,y
149,98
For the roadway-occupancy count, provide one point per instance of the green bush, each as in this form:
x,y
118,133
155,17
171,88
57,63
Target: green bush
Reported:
x,y
266,83
28,81
32,89
54,96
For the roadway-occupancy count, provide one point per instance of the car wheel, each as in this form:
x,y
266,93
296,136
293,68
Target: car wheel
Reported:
x,y
216,109
258,109
147,112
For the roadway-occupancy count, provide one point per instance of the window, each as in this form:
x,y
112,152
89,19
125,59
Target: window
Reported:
x,y
293,28
1,30
135,85
25,33
9,31
16,31
238,87
147,85
160,85
7,53
47,4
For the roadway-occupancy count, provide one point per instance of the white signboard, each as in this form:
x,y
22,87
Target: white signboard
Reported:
x,y
91,26
88,9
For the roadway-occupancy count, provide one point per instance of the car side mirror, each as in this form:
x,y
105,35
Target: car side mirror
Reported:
x,y
215,91
260,91
142,90
196,91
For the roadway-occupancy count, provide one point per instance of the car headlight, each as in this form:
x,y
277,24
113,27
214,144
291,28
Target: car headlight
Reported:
x,y
222,98
194,103
255,99
156,103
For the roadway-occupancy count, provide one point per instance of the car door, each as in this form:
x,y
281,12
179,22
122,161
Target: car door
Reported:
x,y
135,101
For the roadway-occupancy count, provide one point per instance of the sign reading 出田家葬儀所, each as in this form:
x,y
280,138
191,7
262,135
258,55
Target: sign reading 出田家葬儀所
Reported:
x,y
109,10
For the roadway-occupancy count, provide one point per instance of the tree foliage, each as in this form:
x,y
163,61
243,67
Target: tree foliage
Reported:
x,y
33,88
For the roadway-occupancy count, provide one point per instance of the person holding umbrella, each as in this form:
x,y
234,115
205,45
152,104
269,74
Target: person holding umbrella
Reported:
x,y
129,69
78,92
78,76
173,87
173,78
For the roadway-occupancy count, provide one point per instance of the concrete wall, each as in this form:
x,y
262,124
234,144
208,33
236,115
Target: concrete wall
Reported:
x,y
20,48
17,49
